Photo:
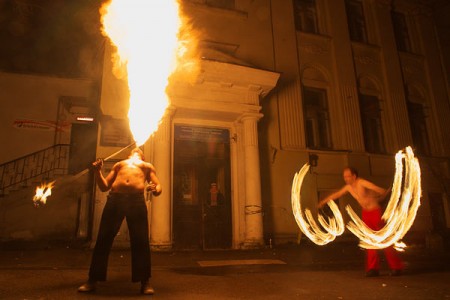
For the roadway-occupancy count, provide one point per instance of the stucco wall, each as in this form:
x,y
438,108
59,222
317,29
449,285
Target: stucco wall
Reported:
x,y
34,98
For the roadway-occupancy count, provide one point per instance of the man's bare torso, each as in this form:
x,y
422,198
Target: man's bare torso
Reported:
x,y
130,176
368,199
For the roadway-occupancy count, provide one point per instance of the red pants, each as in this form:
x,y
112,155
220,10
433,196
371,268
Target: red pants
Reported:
x,y
373,220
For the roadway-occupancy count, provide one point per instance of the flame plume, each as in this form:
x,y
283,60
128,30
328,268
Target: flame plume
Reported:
x,y
146,34
154,43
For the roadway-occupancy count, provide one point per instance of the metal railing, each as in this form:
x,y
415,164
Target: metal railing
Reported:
x,y
43,165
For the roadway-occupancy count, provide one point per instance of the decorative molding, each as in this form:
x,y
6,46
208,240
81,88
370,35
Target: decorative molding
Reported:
x,y
313,49
253,95
313,43
414,8
366,54
366,60
200,5
411,69
412,64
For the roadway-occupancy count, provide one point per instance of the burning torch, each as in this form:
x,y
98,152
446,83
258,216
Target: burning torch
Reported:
x,y
45,190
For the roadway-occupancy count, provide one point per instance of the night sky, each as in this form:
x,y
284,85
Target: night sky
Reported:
x,y
52,37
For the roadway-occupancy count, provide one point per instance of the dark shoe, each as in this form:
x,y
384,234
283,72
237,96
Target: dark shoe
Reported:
x,y
87,287
372,273
146,288
396,272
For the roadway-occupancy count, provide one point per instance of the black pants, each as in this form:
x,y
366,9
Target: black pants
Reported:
x,y
133,208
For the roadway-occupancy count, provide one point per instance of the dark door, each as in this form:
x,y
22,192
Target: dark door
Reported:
x,y
437,212
202,193
83,141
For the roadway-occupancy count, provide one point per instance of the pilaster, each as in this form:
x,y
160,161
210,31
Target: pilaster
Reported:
x,y
253,203
161,237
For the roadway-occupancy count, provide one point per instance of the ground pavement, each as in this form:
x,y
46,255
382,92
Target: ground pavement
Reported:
x,y
304,271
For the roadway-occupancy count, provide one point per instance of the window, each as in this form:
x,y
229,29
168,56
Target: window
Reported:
x,y
417,122
317,125
305,16
371,124
356,21
401,32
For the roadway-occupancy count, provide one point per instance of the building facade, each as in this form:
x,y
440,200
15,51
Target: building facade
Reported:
x,y
333,83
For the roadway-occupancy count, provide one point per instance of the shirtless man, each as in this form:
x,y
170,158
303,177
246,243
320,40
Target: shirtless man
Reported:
x,y
368,196
127,183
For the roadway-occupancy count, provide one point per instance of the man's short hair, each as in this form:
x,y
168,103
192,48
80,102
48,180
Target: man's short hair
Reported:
x,y
352,170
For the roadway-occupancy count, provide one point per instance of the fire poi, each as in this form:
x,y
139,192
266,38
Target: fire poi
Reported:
x,y
333,227
398,216
152,41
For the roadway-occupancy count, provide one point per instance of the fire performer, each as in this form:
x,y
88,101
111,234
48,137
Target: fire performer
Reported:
x,y
368,196
127,184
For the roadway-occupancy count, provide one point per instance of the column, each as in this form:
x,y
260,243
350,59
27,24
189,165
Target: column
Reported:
x,y
160,231
253,203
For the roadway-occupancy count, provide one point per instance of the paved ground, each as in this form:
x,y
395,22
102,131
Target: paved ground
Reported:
x,y
304,271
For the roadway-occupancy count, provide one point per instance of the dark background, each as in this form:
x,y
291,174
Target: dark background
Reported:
x,y
57,37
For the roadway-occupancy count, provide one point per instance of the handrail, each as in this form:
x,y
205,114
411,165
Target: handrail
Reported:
x,y
44,163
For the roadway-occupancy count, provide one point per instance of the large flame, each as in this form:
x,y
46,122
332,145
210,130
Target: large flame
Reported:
x,y
155,42
145,33
399,214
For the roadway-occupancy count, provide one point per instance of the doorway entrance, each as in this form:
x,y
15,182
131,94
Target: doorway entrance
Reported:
x,y
83,141
202,188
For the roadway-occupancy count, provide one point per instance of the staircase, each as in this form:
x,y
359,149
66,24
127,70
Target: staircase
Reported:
x,y
43,165
66,214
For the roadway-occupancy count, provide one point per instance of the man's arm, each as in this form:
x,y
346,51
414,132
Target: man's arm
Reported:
x,y
333,196
154,184
371,186
103,183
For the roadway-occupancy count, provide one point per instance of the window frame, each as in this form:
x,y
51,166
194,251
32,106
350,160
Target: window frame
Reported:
x,y
357,26
402,31
314,134
306,17
378,145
